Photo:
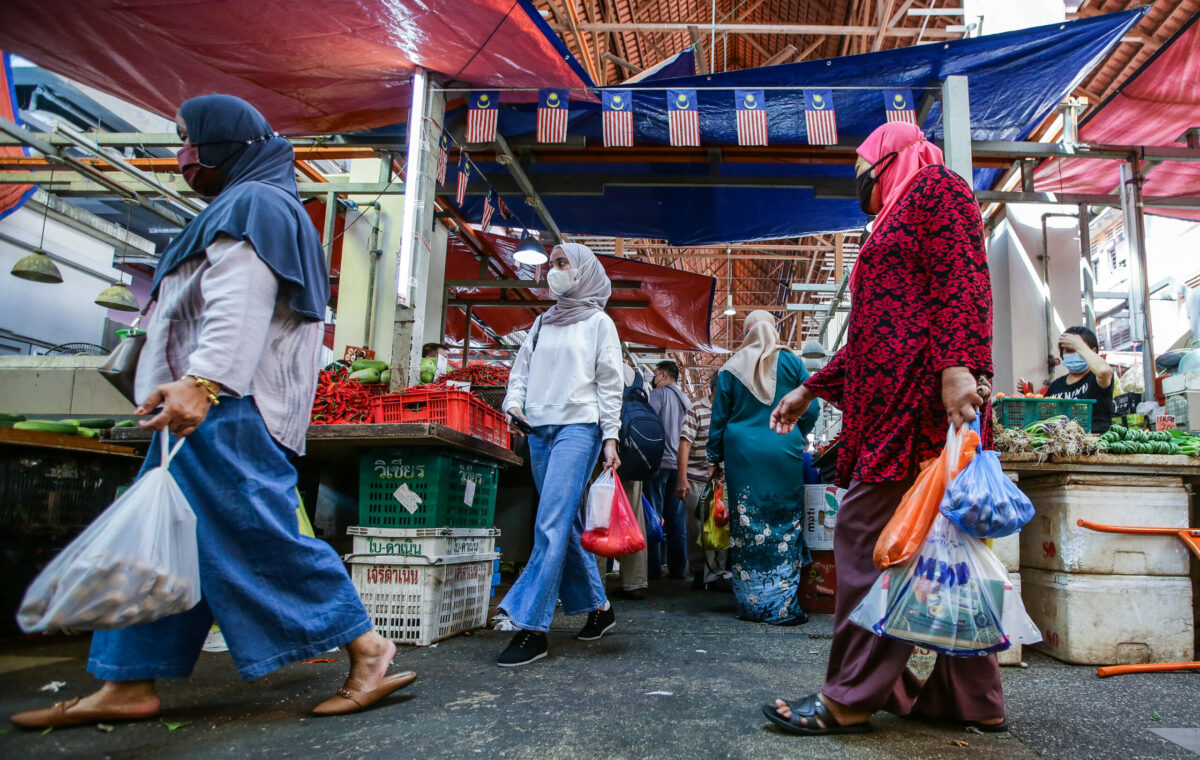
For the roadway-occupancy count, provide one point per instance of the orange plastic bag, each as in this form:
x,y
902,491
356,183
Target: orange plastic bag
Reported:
x,y
622,536
905,532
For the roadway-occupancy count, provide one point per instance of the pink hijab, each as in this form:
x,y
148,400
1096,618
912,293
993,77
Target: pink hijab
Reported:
x,y
914,153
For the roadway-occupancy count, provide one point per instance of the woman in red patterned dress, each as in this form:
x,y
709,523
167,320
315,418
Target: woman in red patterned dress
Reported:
x,y
918,356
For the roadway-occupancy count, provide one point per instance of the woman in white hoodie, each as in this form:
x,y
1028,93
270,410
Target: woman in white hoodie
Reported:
x,y
566,386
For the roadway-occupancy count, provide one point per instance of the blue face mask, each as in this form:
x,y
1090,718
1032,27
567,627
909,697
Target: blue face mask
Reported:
x,y
1074,363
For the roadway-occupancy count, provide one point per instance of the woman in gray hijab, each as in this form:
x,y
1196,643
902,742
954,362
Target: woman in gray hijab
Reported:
x,y
565,387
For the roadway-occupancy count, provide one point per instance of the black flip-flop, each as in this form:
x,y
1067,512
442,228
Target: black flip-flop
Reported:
x,y
811,708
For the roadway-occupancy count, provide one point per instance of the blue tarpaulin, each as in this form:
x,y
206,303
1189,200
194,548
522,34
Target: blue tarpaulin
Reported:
x,y
1015,80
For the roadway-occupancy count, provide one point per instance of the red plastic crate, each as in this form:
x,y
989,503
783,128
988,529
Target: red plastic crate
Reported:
x,y
458,410
378,389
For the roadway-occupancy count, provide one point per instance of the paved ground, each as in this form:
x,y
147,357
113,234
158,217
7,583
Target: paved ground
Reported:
x,y
592,700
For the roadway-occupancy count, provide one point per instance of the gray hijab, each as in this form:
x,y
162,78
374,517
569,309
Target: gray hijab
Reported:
x,y
589,293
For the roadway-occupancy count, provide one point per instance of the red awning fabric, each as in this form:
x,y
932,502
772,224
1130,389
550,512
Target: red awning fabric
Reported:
x,y
1155,107
11,196
680,303
310,67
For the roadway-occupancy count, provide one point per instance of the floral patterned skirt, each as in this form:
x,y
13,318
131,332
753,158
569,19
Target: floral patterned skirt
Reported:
x,y
767,551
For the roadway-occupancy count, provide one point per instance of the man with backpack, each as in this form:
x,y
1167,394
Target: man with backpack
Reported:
x,y
670,404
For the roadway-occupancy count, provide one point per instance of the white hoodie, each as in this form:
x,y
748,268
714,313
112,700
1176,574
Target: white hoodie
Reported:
x,y
574,376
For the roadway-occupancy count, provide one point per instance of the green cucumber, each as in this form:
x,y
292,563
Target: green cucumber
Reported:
x,y
12,418
375,364
97,423
86,432
46,426
126,424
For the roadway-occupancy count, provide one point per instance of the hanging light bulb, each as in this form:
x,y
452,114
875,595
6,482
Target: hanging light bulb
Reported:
x,y
729,310
530,252
38,266
118,296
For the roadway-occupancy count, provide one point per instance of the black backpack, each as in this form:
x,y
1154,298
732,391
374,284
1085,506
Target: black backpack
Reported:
x,y
642,439
641,442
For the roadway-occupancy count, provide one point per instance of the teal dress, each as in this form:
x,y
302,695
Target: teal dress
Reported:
x,y
764,473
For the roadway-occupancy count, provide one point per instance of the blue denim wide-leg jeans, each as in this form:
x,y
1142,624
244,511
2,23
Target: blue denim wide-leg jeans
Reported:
x,y
278,596
563,457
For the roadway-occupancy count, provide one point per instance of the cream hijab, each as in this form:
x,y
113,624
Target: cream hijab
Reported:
x,y
756,362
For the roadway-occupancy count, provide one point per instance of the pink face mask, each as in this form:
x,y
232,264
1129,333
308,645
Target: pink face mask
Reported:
x,y
203,179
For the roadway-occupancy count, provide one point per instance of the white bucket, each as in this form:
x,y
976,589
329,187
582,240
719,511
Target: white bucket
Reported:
x,y
821,505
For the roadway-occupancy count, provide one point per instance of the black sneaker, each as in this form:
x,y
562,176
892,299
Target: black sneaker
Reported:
x,y
525,647
599,622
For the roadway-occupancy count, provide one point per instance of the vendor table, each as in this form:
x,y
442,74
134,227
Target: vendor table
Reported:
x,y
38,439
1032,465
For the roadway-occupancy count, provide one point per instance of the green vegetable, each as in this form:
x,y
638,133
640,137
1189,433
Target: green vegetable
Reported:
x,y
385,377
84,432
98,423
366,376
1119,430
46,426
12,418
375,364
126,424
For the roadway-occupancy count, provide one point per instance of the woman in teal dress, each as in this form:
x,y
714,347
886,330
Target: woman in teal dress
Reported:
x,y
764,474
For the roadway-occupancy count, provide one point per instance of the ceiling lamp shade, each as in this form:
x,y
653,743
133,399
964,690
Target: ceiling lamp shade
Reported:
x,y
729,310
531,252
118,296
37,267
813,349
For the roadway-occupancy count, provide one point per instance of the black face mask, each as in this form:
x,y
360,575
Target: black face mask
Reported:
x,y
864,184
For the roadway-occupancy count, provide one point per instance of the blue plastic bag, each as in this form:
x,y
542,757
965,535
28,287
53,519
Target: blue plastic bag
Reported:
x,y
982,502
654,526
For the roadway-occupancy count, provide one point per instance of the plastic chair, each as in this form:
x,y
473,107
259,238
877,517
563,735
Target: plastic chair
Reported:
x,y
1191,538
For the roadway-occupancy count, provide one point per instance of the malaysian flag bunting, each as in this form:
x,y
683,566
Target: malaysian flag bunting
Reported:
x,y
617,106
442,157
464,176
489,206
552,116
751,117
819,118
899,106
683,117
482,110
502,207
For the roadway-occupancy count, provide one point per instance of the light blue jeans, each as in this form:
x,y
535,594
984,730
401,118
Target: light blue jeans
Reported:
x,y
563,457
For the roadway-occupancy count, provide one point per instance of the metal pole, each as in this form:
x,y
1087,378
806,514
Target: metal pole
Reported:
x,y
956,126
330,223
1139,288
1089,276
412,184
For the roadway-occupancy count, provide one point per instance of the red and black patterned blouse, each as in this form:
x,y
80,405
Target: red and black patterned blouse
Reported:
x,y
921,301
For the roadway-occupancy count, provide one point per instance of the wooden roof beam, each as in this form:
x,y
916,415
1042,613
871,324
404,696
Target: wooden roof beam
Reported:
x,y
698,43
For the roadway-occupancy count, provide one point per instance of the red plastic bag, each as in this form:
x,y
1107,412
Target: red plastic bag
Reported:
x,y
906,531
622,536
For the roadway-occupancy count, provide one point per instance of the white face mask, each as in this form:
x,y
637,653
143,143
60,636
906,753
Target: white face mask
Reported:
x,y
560,280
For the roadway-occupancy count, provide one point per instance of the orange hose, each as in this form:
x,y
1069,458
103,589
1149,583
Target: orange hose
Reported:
x,y
1152,667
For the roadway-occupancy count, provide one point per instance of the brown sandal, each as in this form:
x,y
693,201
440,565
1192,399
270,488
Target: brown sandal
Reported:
x,y
58,716
352,698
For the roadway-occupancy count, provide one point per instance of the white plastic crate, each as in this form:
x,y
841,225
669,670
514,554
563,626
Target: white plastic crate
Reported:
x,y
422,542
1110,619
1008,551
420,604
1054,541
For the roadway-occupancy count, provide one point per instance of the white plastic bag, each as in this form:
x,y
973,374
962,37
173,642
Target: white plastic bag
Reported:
x,y
137,562
600,501
954,597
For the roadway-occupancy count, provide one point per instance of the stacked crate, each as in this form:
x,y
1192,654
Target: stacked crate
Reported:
x,y
1102,598
424,551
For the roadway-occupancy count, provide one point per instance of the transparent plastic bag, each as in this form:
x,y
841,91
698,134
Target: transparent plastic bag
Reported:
x,y
137,562
983,502
953,597
909,525
622,535
600,501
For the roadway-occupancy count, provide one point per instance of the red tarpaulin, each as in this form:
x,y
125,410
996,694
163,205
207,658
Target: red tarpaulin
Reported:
x,y
1155,107
330,66
680,303
11,196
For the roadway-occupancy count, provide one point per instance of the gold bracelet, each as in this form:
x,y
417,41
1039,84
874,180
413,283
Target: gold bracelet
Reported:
x,y
208,385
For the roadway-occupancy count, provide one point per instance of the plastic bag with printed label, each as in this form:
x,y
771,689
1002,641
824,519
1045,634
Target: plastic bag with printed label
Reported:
x,y
621,535
137,562
954,597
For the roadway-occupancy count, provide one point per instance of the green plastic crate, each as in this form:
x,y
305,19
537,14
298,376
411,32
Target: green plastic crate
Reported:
x,y
1019,412
405,488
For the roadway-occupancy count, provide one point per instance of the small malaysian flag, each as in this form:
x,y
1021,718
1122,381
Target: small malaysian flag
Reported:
x,y
489,207
899,106
683,117
552,116
502,207
482,110
464,176
617,106
819,117
751,117
443,157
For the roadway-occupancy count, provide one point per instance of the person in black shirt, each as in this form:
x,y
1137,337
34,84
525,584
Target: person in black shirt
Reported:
x,y
1088,375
